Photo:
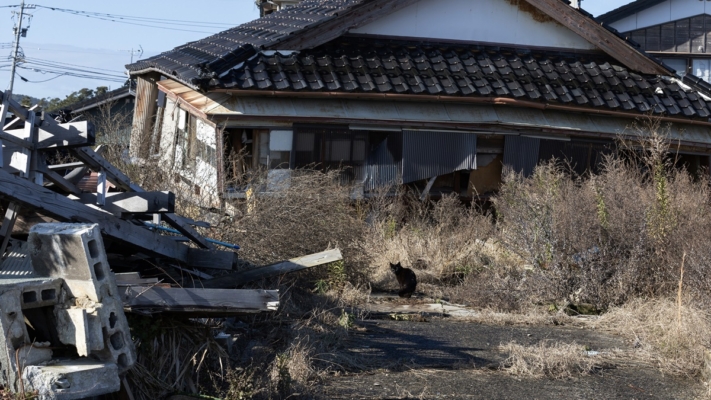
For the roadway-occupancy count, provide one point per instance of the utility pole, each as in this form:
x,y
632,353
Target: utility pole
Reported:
x,y
18,31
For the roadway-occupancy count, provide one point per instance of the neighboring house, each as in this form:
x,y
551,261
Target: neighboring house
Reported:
x,y
112,110
267,7
407,92
676,31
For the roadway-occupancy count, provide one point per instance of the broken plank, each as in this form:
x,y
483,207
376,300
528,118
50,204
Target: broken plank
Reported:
x,y
133,202
284,267
133,278
62,135
122,181
204,258
61,183
208,301
57,206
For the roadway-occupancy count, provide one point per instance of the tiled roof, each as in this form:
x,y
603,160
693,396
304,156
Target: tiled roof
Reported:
x,y
213,55
364,66
627,10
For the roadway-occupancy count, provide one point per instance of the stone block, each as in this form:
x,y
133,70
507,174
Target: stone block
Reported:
x,y
72,379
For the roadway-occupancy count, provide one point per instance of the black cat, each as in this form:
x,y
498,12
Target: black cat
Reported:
x,y
406,278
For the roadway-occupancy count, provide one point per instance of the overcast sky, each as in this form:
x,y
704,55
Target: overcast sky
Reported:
x,y
101,45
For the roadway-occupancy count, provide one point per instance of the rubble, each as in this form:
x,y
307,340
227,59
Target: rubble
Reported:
x,y
63,328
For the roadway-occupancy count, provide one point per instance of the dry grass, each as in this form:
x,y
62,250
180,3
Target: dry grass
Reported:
x,y
531,316
550,359
674,345
174,356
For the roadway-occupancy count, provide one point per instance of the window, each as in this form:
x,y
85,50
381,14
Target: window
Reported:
x,y
330,148
679,64
186,139
702,69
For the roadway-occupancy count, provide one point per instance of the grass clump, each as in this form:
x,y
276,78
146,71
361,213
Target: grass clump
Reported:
x,y
550,359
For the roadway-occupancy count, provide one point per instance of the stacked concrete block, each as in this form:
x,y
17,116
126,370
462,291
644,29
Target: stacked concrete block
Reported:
x,y
17,348
70,302
91,310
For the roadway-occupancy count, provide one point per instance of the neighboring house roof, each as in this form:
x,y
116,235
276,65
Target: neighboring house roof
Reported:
x,y
314,22
97,101
627,10
356,66
220,52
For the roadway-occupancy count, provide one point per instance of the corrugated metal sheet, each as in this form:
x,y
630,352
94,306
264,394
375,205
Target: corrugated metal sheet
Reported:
x,y
427,154
521,153
18,263
385,163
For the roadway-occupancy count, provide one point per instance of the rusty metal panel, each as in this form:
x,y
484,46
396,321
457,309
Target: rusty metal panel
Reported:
x,y
384,167
521,153
427,154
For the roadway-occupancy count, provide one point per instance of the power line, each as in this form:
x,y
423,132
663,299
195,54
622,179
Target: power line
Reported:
x,y
124,20
145,19
39,60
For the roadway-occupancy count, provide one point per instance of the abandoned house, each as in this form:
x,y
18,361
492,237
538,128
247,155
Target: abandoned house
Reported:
x,y
112,109
678,32
439,95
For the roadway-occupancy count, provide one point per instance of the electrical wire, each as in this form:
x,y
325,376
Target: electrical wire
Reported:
x,y
144,21
27,80
39,60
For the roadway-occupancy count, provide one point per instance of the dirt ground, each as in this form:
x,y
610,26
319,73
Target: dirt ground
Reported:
x,y
443,356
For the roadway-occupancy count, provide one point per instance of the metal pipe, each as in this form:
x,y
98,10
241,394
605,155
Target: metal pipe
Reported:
x,y
162,228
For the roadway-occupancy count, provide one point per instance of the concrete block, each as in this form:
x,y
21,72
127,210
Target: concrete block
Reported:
x,y
75,253
34,354
72,379
73,328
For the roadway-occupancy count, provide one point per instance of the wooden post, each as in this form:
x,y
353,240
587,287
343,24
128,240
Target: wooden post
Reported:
x,y
7,224
101,188
143,114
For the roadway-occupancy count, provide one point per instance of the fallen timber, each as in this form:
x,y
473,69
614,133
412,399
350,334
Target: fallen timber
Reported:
x,y
60,281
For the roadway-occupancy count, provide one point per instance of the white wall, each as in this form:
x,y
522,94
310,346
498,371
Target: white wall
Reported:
x,y
167,135
205,174
496,21
670,10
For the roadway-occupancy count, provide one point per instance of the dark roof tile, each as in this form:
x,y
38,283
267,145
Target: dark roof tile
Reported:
x,y
396,67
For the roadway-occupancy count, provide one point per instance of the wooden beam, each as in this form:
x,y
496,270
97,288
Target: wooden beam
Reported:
x,y
76,134
7,224
596,34
337,26
281,268
49,203
122,181
204,301
61,183
204,258
132,202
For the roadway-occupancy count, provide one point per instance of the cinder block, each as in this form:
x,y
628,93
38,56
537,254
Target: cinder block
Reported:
x,y
72,379
75,253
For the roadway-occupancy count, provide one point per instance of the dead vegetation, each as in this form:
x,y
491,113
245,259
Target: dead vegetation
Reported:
x,y
550,359
554,240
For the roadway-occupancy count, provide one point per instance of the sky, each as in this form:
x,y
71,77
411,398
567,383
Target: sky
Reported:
x,y
73,40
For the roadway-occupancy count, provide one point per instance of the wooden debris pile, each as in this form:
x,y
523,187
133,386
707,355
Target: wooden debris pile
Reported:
x,y
32,191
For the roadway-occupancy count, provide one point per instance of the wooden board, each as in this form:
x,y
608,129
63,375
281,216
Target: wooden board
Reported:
x,y
209,301
122,181
203,258
57,206
281,268
133,202
62,135
596,34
